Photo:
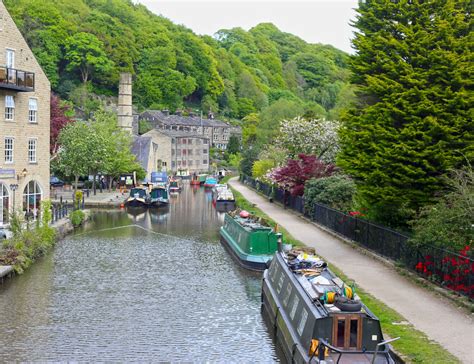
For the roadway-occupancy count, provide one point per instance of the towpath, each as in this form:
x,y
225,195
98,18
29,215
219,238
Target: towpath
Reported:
x,y
429,313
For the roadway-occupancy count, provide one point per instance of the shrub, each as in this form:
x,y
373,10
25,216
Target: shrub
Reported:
x,y
335,191
78,199
262,167
77,218
449,223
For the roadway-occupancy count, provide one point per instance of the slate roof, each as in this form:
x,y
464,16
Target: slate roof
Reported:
x,y
141,149
173,119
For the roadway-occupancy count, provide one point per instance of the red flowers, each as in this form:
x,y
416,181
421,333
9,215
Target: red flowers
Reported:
x,y
454,271
356,213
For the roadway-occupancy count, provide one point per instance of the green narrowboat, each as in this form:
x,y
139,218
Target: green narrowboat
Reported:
x,y
250,242
202,178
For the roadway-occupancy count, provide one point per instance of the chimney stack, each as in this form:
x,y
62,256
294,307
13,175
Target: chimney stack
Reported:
x,y
125,111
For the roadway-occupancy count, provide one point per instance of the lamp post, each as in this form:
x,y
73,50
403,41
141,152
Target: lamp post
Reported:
x,y
14,187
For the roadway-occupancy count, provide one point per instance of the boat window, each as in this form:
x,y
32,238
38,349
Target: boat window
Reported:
x,y
274,272
287,294
296,300
280,283
341,325
353,333
304,318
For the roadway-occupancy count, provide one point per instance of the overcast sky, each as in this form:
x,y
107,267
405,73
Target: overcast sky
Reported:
x,y
316,21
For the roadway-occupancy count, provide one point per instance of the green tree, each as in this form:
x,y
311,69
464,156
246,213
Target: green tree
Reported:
x,y
85,52
233,146
413,119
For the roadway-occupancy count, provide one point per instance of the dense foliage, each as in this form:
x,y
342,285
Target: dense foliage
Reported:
x,y
335,191
30,240
59,119
413,119
293,176
450,222
89,42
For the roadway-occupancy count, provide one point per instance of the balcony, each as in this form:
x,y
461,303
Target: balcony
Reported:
x,y
13,79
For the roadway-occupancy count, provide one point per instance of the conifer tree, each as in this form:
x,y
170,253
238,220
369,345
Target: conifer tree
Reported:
x,y
412,122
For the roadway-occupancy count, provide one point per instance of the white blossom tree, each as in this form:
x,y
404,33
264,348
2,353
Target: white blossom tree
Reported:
x,y
311,137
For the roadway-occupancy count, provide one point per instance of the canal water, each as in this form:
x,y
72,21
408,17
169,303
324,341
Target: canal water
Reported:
x,y
138,285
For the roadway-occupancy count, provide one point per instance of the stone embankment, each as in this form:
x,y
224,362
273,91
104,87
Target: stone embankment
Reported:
x,y
63,228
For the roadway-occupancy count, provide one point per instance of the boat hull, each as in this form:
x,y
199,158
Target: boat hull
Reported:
x,y
136,203
225,205
247,261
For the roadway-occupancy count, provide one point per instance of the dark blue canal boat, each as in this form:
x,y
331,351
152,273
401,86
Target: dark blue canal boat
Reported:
x,y
138,197
316,317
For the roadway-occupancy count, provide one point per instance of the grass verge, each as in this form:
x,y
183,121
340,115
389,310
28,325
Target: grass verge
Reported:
x,y
414,346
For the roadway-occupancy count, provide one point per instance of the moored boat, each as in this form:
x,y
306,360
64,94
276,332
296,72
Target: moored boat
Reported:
x,y
249,240
217,189
210,182
159,195
195,180
175,186
225,200
202,178
138,197
316,317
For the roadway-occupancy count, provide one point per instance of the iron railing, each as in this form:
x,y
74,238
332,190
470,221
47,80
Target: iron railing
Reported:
x,y
444,267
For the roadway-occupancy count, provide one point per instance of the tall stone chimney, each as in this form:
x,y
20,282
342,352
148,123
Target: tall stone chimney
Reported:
x,y
125,112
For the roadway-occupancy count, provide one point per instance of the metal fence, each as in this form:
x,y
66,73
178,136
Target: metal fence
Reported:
x,y
449,269
60,211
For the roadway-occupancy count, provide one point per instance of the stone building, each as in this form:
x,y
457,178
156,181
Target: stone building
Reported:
x,y
172,151
216,131
24,124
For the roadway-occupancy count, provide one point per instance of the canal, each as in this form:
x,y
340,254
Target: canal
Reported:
x,y
138,286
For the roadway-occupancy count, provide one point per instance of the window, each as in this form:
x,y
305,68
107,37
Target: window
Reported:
x,y
184,163
185,151
9,149
32,199
205,141
190,152
32,110
10,57
184,141
190,141
173,164
179,163
204,151
190,163
172,151
204,161
216,136
32,150
4,204
9,107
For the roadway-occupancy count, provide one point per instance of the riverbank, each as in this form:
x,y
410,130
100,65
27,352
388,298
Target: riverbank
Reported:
x,y
35,244
403,308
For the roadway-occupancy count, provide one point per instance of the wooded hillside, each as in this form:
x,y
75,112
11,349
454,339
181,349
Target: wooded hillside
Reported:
x,y
85,44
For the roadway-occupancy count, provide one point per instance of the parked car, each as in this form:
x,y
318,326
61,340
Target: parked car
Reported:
x,y
56,182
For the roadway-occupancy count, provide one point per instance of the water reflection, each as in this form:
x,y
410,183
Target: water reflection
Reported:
x,y
138,285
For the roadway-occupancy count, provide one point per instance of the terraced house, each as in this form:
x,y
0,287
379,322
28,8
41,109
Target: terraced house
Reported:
x,y
218,132
24,124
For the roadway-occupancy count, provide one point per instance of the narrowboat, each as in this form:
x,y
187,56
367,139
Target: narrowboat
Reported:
x,y
195,180
225,200
175,186
316,317
210,182
202,178
159,195
138,197
249,240
217,189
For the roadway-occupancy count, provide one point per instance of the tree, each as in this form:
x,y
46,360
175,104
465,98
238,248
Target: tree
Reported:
x,y
233,146
262,167
294,175
316,137
59,119
449,222
336,191
85,52
73,156
413,119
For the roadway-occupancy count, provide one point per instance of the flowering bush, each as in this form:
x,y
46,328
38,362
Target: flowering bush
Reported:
x,y
315,137
454,271
294,175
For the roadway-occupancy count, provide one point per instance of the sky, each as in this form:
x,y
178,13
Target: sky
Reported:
x,y
315,21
